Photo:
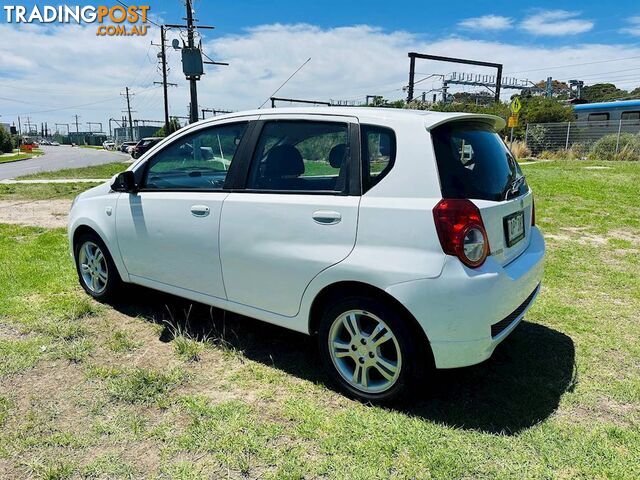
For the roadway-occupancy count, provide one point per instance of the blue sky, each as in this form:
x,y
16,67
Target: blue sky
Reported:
x,y
431,19
357,48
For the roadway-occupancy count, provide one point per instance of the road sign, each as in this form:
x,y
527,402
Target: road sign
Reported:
x,y
516,105
513,121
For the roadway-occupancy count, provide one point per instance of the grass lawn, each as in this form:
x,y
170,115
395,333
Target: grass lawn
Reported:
x,y
104,171
19,156
42,191
156,388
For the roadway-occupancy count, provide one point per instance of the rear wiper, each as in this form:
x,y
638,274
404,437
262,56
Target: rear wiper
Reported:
x,y
513,186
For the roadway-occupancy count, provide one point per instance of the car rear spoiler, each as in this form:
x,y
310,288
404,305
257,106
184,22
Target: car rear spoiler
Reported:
x,y
496,122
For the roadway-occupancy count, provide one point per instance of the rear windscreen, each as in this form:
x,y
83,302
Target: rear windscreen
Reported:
x,y
474,163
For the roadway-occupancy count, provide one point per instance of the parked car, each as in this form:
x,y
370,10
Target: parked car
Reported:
x,y
108,145
404,240
144,145
126,145
55,144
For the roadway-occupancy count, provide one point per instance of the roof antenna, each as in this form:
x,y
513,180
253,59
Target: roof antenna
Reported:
x,y
285,82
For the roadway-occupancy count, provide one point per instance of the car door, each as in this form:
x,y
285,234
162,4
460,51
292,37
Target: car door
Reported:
x,y
168,230
296,213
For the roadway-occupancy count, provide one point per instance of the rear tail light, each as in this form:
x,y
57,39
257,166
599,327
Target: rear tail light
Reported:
x,y
461,231
533,212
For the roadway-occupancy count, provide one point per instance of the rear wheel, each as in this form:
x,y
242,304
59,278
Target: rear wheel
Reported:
x,y
96,271
368,350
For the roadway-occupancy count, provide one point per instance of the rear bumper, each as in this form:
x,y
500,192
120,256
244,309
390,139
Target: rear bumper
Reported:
x,y
458,309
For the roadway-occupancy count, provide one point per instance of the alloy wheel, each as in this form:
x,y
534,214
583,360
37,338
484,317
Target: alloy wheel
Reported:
x,y
93,267
365,351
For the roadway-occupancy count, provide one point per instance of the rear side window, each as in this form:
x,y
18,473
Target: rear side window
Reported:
x,y
378,153
473,162
630,116
301,156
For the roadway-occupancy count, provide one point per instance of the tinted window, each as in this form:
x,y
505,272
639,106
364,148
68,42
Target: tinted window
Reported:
x,y
473,162
598,117
301,156
630,116
198,161
378,153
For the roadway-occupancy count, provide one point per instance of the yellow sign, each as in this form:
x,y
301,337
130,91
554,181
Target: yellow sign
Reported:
x,y
516,105
513,121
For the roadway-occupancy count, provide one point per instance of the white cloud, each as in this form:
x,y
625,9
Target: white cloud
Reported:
x,y
487,22
556,23
633,28
69,66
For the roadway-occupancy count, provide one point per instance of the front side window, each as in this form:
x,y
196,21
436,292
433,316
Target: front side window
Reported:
x,y
630,116
301,156
378,153
199,161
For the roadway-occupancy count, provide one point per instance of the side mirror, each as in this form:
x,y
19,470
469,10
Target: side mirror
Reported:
x,y
125,182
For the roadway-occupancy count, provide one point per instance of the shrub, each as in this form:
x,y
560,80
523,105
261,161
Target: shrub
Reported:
x,y
520,149
605,148
6,142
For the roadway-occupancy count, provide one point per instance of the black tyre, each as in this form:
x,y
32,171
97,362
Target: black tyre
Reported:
x,y
369,350
97,273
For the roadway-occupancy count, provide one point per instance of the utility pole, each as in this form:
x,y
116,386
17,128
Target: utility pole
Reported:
x,y
19,126
163,59
77,126
28,123
192,63
193,113
127,94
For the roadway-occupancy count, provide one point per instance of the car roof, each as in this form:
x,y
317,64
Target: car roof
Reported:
x,y
430,118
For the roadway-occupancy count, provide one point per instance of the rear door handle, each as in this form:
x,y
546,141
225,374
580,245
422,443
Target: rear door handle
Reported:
x,y
200,210
326,217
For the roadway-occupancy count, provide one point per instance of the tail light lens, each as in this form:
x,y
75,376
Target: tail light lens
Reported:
x,y
461,231
533,212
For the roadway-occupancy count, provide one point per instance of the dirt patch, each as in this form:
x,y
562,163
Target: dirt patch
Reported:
x,y
35,213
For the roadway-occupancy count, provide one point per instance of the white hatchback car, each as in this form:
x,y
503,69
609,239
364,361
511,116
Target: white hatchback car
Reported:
x,y
403,239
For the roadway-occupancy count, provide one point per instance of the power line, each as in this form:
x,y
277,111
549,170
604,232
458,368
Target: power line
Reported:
x,y
70,107
574,65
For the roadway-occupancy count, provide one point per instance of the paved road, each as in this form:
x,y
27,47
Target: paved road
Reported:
x,y
57,158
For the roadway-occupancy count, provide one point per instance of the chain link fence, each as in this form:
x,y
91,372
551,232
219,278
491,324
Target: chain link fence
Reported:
x,y
606,139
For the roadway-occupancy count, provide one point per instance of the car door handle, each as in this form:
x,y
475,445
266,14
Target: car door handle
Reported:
x,y
200,210
326,217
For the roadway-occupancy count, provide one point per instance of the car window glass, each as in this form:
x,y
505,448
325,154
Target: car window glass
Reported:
x,y
630,116
199,161
301,156
378,150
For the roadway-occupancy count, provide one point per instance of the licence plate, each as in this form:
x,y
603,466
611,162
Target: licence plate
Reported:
x,y
514,228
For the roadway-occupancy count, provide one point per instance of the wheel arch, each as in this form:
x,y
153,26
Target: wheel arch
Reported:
x,y
85,228
347,288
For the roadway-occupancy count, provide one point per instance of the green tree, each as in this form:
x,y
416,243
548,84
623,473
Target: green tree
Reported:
x,y
6,141
544,110
174,126
603,92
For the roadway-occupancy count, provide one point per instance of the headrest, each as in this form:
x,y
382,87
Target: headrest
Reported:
x,y
284,161
337,154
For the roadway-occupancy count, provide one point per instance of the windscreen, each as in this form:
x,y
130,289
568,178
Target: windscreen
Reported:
x,y
474,163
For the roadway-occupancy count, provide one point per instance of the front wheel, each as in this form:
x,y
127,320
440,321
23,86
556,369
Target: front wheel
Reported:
x,y
96,271
368,350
